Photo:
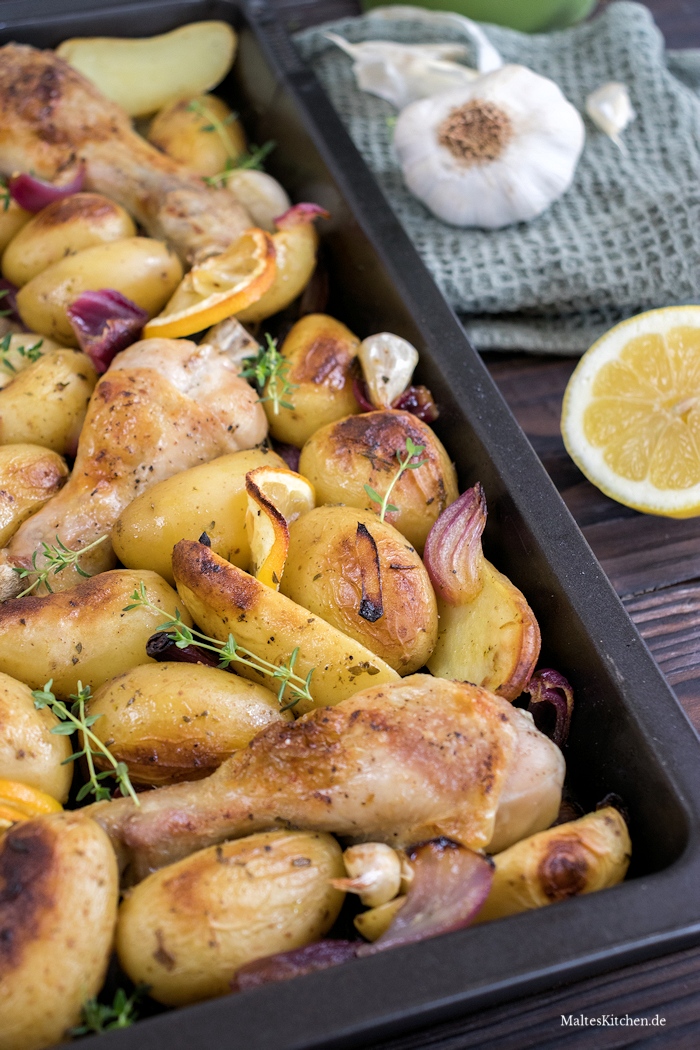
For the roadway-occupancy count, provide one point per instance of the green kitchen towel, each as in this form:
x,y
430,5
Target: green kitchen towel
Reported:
x,y
626,235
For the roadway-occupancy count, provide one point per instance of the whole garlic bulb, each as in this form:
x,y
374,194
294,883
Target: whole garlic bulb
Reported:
x,y
494,152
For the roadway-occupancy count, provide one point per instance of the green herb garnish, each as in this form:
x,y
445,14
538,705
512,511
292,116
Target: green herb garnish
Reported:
x,y
100,1017
252,160
57,558
214,124
269,369
404,464
31,353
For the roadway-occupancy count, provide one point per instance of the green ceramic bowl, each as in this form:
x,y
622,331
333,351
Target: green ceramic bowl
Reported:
x,y
532,16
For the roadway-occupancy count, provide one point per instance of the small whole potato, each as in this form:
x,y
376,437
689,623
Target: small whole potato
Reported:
x,y
320,351
361,575
29,475
64,228
23,349
46,402
12,219
179,721
142,269
200,132
208,498
343,457
59,890
186,929
29,751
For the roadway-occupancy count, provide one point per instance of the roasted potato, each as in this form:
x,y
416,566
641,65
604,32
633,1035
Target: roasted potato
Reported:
x,y
29,475
376,921
295,257
362,576
58,908
64,228
223,599
144,74
320,351
200,132
178,721
23,349
45,404
209,498
12,219
142,269
186,929
343,457
82,634
29,751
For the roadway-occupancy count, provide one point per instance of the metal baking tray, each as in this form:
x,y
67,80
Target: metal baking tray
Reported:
x,y
629,734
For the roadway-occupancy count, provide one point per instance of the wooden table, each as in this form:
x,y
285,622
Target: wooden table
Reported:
x,y
654,564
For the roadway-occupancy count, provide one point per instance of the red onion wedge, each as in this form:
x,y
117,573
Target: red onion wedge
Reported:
x,y
450,884
551,704
33,194
300,215
419,402
161,646
359,389
105,322
453,555
295,963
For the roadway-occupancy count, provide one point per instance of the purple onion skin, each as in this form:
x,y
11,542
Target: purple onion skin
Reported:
x,y
551,694
289,453
105,322
419,402
161,647
295,963
33,194
453,554
300,215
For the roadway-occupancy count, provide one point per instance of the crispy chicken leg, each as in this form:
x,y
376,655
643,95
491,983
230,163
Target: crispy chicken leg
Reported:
x,y
51,117
163,405
397,764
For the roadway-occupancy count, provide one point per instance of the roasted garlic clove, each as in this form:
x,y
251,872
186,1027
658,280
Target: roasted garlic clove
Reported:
x,y
387,363
374,873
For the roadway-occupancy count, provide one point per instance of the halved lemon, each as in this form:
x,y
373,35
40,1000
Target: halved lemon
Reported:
x,y
631,414
22,802
276,497
219,287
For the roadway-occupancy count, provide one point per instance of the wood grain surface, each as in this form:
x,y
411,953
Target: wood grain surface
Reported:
x,y
654,564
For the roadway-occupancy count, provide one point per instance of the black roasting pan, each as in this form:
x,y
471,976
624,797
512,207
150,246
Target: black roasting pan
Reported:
x,y
629,734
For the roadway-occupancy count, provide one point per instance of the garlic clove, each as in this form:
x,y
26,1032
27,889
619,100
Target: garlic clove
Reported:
x,y
610,109
487,57
374,872
260,194
388,362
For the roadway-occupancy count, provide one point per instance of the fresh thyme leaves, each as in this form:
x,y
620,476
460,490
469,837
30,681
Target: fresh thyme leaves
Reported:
x,y
269,370
412,451
31,353
214,124
5,195
250,161
3,293
230,652
74,718
101,1017
57,558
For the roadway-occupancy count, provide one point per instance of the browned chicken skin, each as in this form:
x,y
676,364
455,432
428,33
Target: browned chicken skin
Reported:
x,y
397,764
51,118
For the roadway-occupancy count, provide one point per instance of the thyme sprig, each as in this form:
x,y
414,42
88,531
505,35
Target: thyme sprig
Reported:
x,y
5,194
412,451
58,558
229,652
31,353
269,369
214,124
101,1017
250,161
73,719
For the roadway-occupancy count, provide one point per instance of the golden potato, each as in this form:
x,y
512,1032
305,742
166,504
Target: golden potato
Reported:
x,y
208,498
64,228
144,74
58,924
29,751
142,269
320,351
200,132
179,721
343,457
29,475
187,928
295,257
376,921
12,219
46,403
23,349
82,634
223,599
361,575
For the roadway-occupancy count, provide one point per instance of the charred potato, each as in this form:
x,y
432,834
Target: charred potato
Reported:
x,y
83,634
29,475
58,908
142,269
187,928
320,351
29,751
343,457
361,575
179,721
209,498
45,404
64,228
200,132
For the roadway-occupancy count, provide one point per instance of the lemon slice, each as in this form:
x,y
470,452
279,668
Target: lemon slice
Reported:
x,y
22,802
276,497
219,287
631,414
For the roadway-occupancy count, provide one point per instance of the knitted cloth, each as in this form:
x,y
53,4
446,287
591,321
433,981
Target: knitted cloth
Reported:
x,y
626,235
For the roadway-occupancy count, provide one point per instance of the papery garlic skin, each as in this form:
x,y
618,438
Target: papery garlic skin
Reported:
x,y
388,362
610,109
495,152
